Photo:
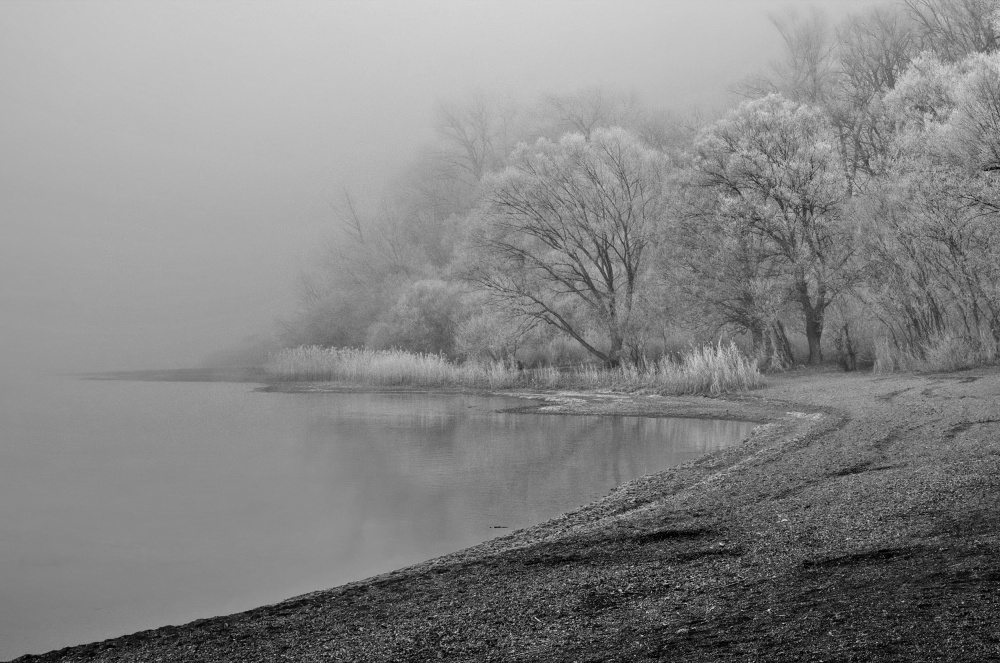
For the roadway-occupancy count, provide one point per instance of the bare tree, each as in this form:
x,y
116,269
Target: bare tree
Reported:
x,y
565,232
805,71
956,28
475,137
583,112
874,49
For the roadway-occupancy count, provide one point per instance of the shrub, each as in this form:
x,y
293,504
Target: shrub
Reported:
x,y
424,319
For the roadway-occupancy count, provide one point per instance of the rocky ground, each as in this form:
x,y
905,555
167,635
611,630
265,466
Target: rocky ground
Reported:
x,y
859,524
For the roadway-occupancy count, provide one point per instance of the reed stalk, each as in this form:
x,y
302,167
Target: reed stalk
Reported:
x,y
711,369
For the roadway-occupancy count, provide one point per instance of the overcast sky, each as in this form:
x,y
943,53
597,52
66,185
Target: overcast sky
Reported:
x,y
166,168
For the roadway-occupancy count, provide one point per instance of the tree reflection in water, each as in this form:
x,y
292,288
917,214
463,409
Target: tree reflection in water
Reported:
x,y
411,476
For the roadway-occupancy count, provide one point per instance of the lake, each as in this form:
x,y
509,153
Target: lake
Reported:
x,y
131,505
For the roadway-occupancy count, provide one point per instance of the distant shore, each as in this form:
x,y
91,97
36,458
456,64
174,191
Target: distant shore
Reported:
x,y
217,374
858,522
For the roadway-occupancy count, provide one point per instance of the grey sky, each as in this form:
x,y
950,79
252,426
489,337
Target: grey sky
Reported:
x,y
166,167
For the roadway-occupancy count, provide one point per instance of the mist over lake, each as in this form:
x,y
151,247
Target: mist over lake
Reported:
x,y
169,170
397,218
130,505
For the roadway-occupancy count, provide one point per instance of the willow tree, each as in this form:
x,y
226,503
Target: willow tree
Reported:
x,y
932,229
726,273
564,235
775,167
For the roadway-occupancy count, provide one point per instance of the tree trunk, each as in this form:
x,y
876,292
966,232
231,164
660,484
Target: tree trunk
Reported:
x,y
775,353
614,354
757,339
781,349
848,355
814,334
813,317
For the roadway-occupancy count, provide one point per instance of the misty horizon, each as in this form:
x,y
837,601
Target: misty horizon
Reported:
x,y
170,169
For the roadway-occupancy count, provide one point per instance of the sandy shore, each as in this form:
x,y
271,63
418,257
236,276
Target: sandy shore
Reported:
x,y
860,522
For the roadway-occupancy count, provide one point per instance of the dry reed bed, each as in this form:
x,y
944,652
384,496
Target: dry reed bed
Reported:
x,y
943,352
712,369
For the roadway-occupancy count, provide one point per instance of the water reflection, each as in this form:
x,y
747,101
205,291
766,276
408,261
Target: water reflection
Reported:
x,y
418,475
126,506
450,470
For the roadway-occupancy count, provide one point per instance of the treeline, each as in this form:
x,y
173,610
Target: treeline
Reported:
x,y
849,208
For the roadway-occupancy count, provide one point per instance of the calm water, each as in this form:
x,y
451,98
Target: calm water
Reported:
x,y
131,505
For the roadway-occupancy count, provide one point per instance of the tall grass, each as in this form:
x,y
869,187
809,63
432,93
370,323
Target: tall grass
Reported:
x,y
386,368
942,352
710,369
706,370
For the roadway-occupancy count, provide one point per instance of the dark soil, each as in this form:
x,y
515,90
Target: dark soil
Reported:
x,y
860,524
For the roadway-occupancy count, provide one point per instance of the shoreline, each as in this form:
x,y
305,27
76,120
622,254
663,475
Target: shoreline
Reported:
x,y
857,524
561,401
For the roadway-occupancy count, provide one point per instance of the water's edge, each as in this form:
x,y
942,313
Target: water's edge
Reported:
x,y
555,402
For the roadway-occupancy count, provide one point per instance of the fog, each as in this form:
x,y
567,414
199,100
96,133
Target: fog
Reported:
x,y
167,168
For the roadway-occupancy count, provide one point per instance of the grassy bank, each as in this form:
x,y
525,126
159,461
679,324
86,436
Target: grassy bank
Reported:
x,y
713,369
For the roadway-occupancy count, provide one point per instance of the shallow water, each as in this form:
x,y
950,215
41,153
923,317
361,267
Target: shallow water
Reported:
x,y
131,505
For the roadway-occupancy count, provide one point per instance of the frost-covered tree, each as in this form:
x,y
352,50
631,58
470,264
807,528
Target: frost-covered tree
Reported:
x,y
775,167
424,318
564,235
932,226
727,274
949,113
874,49
493,335
976,120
